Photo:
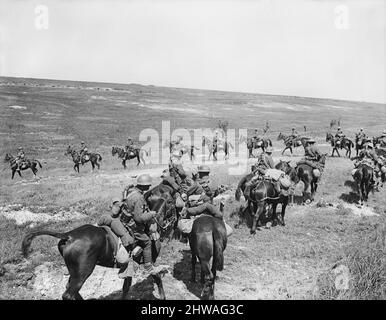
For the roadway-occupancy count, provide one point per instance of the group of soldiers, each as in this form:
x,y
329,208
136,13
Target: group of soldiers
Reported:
x,y
134,223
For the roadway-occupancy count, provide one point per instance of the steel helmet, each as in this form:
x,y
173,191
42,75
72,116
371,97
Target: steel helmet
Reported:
x,y
384,132
361,129
129,138
82,142
269,150
116,200
144,180
339,127
203,168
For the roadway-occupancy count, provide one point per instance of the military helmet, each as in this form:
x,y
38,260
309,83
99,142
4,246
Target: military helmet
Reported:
x,y
203,168
116,200
144,180
384,132
129,138
269,150
82,142
361,129
20,148
339,128
370,145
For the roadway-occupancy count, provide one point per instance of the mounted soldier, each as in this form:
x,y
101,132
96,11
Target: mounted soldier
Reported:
x,y
312,156
130,147
20,158
131,220
339,135
295,137
84,154
200,201
369,157
265,169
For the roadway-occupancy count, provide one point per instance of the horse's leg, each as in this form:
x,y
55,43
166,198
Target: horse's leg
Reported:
x,y
124,163
274,214
13,173
283,207
92,165
126,287
256,216
158,281
193,262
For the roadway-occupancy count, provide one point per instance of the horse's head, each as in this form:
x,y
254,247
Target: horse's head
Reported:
x,y
323,158
7,157
69,150
166,216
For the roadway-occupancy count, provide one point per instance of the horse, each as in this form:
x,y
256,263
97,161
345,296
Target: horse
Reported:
x,y
94,158
122,154
87,246
207,240
359,144
305,173
253,144
262,195
379,141
345,143
363,180
290,142
213,149
27,164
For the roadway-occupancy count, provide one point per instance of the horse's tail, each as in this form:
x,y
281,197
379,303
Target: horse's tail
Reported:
x,y
218,256
29,237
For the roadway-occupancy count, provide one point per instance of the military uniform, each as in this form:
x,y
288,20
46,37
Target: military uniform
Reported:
x,y
369,157
130,223
20,158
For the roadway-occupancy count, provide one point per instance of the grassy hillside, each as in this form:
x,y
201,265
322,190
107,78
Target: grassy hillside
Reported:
x,y
292,262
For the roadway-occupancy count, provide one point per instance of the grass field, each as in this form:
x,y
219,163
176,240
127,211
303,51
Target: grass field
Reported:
x,y
292,262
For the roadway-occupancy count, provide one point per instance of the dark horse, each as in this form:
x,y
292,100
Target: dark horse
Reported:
x,y
27,164
262,196
363,179
253,144
345,144
208,240
94,158
306,175
136,153
87,246
290,142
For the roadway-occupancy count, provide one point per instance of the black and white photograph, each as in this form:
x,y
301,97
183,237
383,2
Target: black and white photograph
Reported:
x,y
166,150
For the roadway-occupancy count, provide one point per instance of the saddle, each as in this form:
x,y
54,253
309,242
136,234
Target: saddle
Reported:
x,y
121,256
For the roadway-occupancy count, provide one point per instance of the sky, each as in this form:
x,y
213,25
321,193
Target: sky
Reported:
x,y
324,49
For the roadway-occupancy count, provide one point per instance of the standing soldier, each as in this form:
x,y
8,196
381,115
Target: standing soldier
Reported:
x,y
129,220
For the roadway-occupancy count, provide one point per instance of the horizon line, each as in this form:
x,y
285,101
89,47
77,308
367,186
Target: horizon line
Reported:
x,y
198,89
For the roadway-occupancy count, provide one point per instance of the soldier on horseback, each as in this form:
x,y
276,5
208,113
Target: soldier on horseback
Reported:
x,y
312,156
369,157
83,152
264,163
200,201
294,134
20,158
130,147
339,136
129,220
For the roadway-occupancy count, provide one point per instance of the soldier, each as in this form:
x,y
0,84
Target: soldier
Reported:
x,y
265,162
360,137
203,186
294,134
129,220
369,156
130,146
20,158
83,150
312,155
